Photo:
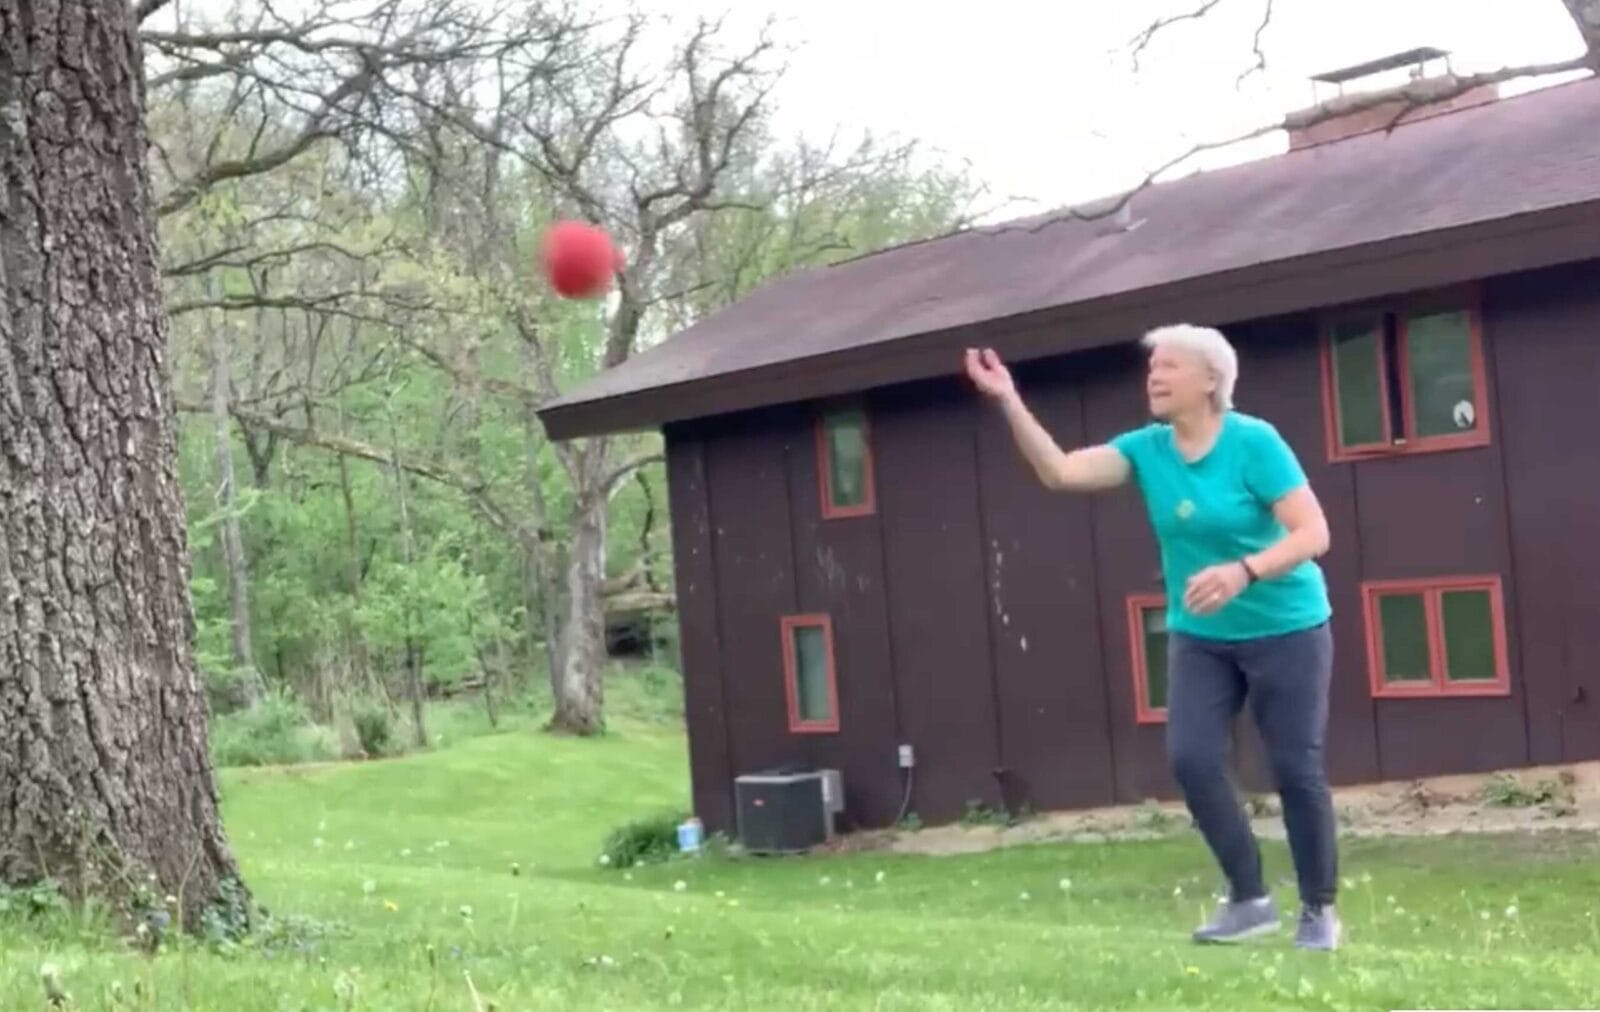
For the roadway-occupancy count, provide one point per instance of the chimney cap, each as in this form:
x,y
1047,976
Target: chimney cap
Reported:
x,y
1344,75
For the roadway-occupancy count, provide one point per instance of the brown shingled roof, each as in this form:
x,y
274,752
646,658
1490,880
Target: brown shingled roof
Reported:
x,y
1510,185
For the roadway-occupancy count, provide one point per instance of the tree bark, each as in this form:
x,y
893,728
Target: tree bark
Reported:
x,y
541,591
1585,16
105,775
412,647
248,687
580,697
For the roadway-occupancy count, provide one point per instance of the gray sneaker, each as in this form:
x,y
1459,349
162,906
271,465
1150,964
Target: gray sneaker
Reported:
x,y
1319,929
1235,922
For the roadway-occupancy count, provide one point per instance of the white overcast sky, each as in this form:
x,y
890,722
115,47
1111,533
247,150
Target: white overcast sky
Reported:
x,y
1039,97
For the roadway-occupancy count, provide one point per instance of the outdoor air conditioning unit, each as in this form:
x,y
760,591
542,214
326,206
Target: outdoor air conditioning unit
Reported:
x,y
787,811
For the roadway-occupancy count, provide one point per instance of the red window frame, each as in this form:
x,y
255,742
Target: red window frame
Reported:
x,y
1432,591
867,506
1143,712
791,675
1330,393
1467,302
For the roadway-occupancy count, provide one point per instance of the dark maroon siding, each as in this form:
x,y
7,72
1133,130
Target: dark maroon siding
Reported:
x,y
839,571
748,475
700,640
1043,612
1546,360
923,441
983,621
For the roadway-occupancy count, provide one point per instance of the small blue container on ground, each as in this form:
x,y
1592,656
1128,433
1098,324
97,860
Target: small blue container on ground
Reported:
x,y
691,834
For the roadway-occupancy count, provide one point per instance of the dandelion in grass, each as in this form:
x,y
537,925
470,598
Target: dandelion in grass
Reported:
x,y
879,878
680,886
605,860
391,906
1024,897
1511,912
1065,884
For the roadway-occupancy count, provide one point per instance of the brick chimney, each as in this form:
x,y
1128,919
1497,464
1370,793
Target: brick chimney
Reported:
x,y
1347,115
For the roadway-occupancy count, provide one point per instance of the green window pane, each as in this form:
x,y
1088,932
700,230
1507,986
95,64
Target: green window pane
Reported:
x,y
1155,656
1439,363
1403,625
847,458
1469,629
1358,384
811,674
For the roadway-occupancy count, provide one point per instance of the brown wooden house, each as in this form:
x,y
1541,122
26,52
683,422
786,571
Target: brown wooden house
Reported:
x,y
864,562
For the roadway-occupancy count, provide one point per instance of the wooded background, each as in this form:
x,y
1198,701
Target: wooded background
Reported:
x,y
350,203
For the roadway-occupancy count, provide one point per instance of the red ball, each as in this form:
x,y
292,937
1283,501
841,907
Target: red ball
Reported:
x,y
580,259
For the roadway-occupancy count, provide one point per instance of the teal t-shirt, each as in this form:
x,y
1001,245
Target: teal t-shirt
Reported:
x,y
1219,509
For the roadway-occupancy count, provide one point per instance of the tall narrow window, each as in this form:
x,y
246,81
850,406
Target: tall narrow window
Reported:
x,y
811,682
1441,637
844,463
1405,382
1360,402
1147,635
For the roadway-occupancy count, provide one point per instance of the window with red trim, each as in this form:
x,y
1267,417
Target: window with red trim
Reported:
x,y
844,463
811,683
1409,381
1147,639
1441,637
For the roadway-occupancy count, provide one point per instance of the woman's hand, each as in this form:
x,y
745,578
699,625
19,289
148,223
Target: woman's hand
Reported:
x,y
989,374
1213,587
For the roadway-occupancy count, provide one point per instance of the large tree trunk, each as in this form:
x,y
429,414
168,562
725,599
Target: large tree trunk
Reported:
x,y
413,648
580,697
1586,17
105,774
248,687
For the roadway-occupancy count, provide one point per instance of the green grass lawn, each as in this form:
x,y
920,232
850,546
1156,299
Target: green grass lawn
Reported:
x,y
412,860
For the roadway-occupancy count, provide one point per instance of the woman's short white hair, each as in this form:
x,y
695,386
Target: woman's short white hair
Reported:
x,y
1211,346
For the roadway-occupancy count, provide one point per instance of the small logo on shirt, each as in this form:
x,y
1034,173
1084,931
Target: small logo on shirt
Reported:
x,y
1185,509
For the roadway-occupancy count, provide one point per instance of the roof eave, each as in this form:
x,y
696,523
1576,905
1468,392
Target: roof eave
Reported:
x,y
1331,277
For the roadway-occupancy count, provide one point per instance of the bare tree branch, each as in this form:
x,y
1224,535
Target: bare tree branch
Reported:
x,y
1142,41
613,481
1261,56
1410,97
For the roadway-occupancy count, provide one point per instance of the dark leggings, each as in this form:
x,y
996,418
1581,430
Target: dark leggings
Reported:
x,y
1286,680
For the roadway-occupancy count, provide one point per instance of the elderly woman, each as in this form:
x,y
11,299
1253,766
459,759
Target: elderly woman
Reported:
x,y
1247,614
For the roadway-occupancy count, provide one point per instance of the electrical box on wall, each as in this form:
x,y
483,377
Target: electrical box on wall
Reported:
x,y
908,757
